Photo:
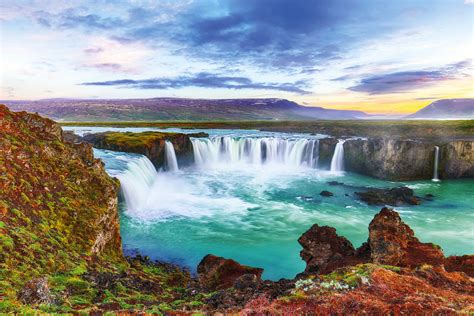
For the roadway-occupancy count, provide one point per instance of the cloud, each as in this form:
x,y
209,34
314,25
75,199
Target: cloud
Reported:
x,y
399,82
76,18
270,34
203,80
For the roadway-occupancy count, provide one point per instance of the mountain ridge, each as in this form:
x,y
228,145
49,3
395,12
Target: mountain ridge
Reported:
x,y
446,109
168,109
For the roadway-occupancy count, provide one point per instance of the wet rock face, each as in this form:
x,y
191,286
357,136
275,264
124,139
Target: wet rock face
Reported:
x,y
150,144
326,151
324,250
393,196
387,158
36,291
457,160
393,242
217,273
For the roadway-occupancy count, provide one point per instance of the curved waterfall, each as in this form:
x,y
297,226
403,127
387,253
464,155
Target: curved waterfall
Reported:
x,y
170,157
337,162
258,151
136,181
436,161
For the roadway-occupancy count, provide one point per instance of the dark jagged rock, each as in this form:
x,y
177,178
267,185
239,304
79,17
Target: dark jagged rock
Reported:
x,y
220,273
392,196
150,144
35,292
324,250
393,242
326,193
335,183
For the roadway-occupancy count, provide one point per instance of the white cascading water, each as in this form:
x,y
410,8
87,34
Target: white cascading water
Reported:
x,y
136,182
170,157
337,162
436,161
256,151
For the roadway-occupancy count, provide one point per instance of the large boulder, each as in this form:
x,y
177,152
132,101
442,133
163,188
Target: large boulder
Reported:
x,y
216,273
324,250
392,196
393,242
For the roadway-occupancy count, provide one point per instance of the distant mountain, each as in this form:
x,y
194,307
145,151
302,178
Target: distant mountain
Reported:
x,y
446,109
166,109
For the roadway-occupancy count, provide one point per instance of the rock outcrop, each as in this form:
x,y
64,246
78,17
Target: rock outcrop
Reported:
x,y
392,196
219,273
324,250
390,242
150,144
394,243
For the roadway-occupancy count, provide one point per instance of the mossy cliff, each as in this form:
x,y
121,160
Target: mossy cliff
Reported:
x,y
60,247
150,144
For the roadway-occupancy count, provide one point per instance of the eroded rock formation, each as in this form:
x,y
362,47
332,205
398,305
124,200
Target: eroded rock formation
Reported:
x,y
220,273
390,242
324,250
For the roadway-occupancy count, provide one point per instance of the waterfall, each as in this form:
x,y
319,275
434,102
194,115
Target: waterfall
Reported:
x,y
136,181
298,152
337,162
436,161
170,157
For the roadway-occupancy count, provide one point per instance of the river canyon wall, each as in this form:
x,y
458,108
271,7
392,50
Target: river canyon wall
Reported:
x,y
383,158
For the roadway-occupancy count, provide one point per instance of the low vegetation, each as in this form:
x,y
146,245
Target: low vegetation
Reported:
x,y
367,128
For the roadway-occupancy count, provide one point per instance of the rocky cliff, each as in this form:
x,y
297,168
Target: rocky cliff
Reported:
x,y
402,159
150,144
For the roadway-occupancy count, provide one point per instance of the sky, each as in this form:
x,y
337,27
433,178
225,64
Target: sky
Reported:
x,y
381,57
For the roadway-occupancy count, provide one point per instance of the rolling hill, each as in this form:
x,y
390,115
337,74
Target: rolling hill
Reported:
x,y
167,109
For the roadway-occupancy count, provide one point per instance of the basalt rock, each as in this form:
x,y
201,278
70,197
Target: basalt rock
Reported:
x,y
150,144
457,160
393,242
326,193
326,151
404,159
392,196
324,250
217,273
388,158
